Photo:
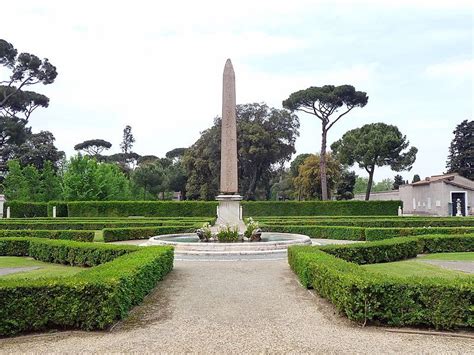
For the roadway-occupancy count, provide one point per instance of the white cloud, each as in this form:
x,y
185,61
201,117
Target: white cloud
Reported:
x,y
158,65
455,69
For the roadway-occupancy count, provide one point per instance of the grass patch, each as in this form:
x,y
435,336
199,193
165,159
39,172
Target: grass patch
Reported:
x,y
45,269
465,256
99,236
412,268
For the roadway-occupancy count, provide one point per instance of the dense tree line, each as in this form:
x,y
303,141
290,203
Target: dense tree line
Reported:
x,y
32,168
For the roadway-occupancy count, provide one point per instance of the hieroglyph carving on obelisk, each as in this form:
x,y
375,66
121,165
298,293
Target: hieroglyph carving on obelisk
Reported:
x,y
229,183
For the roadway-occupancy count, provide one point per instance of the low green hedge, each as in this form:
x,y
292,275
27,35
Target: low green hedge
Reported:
x,y
376,252
142,208
447,243
92,225
372,234
370,297
203,208
92,299
315,208
117,234
322,232
61,208
360,233
400,222
20,209
75,253
77,235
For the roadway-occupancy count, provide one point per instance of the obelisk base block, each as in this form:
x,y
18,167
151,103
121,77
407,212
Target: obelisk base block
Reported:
x,y
229,211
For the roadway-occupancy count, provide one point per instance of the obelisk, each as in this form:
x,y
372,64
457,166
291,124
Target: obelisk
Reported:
x,y
229,211
229,184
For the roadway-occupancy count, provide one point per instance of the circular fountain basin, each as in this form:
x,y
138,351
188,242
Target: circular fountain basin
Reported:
x,y
190,244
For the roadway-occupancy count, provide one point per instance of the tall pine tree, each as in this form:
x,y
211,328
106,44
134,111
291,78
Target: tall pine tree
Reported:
x,y
461,150
398,181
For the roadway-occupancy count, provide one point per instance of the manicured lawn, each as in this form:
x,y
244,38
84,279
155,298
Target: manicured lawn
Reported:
x,y
408,268
466,256
99,236
45,269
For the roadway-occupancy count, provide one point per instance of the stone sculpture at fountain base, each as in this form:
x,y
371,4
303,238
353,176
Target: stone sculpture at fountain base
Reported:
x,y
229,211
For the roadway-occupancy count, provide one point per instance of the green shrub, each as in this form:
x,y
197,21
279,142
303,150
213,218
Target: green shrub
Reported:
x,y
315,208
228,234
142,208
75,253
61,208
398,222
88,225
92,299
14,246
117,234
447,243
376,252
80,236
322,232
369,297
20,209
385,233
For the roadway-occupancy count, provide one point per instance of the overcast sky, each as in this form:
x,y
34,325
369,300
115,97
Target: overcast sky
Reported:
x,y
157,66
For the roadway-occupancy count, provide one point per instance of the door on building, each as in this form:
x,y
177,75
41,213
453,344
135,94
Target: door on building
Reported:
x,y
454,202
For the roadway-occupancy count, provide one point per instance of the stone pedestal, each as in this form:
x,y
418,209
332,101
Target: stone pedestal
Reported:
x,y
229,211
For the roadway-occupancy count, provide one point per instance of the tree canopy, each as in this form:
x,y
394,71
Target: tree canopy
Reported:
x,y
398,181
308,182
328,103
376,144
31,184
127,140
26,69
93,147
461,150
265,137
85,179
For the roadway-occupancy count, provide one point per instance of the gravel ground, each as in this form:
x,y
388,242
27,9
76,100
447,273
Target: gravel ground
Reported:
x,y
466,266
238,307
14,270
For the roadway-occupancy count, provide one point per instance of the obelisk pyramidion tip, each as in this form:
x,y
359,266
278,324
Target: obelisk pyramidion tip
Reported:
x,y
228,63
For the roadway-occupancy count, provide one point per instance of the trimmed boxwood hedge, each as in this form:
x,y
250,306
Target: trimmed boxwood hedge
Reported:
x,y
370,297
399,222
142,208
360,233
117,234
202,208
61,208
77,235
322,232
323,208
92,299
20,209
93,225
372,234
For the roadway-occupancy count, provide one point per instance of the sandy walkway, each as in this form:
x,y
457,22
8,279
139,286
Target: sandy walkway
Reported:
x,y
253,306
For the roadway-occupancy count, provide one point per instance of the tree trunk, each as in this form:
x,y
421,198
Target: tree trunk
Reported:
x,y
322,165
252,186
369,184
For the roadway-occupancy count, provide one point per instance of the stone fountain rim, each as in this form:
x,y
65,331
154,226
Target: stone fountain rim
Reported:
x,y
299,239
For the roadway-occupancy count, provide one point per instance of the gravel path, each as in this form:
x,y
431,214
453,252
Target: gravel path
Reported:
x,y
466,266
14,270
239,307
